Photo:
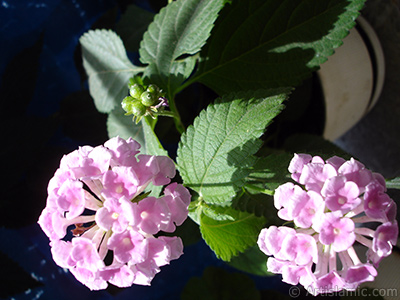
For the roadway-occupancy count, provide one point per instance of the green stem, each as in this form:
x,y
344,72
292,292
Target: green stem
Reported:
x,y
165,113
261,190
175,114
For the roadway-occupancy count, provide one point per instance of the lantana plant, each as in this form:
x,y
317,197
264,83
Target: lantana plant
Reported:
x,y
196,94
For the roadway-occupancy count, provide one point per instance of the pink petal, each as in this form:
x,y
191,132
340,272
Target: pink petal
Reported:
x,y
297,163
123,151
270,239
384,238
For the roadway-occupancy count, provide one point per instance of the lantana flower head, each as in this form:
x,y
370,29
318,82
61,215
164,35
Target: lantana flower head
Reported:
x,y
332,206
100,194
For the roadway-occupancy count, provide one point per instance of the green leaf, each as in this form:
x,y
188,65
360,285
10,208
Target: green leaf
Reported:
x,y
180,28
393,183
209,211
218,284
132,25
267,43
215,153
189,232
260,205
268,173
252,261
108,68
230,237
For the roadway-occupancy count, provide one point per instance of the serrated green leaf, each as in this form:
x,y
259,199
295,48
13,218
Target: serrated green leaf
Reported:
x,y
260,205
108,68
180,28
271,170
252,261
210,212
230,237
215,153
268,43
132,25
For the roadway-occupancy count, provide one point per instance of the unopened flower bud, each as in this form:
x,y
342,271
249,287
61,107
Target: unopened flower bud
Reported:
x,y
148,99
136,90
138,109
153,89
127,104
133,106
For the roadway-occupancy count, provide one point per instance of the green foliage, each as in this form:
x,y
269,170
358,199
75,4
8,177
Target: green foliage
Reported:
x,y
271,169
252,261
218,284
108,68
215,154
259,204
181,28
267,43
229,237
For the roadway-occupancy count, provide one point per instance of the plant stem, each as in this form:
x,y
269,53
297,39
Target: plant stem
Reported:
x,y
261,190
175,114
166,113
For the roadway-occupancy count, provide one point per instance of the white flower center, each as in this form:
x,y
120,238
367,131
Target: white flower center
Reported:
x,y
126,241
115,215
119,189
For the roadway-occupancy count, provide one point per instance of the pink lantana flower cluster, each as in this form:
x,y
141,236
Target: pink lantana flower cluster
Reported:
x,y
339,205
99,193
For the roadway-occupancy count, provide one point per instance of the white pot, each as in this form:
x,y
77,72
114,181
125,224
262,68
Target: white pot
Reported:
x,y
352,80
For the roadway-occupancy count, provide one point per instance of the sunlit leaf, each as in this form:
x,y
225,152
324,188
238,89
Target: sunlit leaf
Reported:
x,y
215,154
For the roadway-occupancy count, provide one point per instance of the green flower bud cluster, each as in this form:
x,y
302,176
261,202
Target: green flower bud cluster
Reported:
x,y
142,101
